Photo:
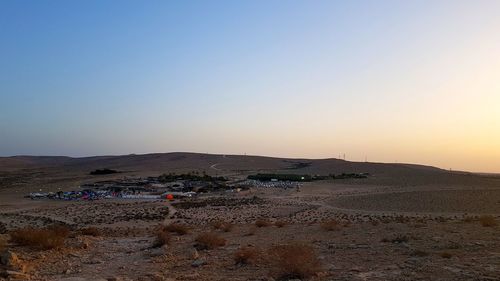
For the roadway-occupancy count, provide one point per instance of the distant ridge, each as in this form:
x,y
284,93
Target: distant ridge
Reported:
x,y
58,171
132,160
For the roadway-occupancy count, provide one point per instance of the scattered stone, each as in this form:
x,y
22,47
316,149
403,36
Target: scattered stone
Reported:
x,y
9,258
3,228
198,263
17,275
156,252
80,279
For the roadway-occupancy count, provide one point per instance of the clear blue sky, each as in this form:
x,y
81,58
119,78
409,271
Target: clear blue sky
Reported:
x,y
407,81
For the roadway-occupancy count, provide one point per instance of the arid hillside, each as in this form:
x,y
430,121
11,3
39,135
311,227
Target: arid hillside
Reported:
x,y
31,172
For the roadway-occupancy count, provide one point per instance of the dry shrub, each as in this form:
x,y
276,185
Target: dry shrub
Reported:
x,y
329,225
90,231
209,240
251,231
401,219
227,227
40,238
400,239
419,225
468,219
262,223
419,253
487,221
222,225
280,224
246,255
162,238
177,228
445,255
294,260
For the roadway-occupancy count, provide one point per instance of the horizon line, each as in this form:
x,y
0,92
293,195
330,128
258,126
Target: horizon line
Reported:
x,y
251,155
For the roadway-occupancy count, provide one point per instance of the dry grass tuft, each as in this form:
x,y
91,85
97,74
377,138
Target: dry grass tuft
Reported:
x,y
487,221
419,253
162,238
262,222
41,238
209,241
280,224
90,231
445,255
246,255
468,219
251,231
178,228
400,239
294,260
222,225
330,225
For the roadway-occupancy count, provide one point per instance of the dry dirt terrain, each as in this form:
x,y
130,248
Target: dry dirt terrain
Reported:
x,y
403,222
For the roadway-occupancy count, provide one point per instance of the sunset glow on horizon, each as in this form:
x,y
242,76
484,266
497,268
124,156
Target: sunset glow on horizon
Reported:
x,y
386,81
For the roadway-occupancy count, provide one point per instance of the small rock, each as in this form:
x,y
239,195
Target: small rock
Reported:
x,y
9,258
156,252
198,263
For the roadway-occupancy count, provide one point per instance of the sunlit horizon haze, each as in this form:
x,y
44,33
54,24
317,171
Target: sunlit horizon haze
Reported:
x,y
378,81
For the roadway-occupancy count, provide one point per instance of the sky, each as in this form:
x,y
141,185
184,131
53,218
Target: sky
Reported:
x,y
386,81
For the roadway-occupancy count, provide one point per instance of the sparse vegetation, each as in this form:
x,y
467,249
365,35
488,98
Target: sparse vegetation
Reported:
x,y
468,219
304,177
262,222
400,239
90,231
251,231
162,238
209,240
445,255
193,176
419,253
246,255
41,238
280,223
294,260
330,225
222,225
180,229
103,172
487,221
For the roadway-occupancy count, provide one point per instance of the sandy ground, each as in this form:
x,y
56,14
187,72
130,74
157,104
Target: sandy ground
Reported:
x,y
362,248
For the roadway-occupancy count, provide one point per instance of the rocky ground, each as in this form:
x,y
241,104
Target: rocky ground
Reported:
x,y
366,242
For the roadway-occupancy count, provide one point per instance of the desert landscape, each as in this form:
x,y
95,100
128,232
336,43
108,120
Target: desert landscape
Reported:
x,y
250,140
350,221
